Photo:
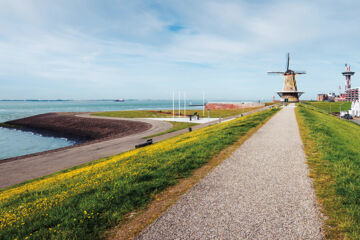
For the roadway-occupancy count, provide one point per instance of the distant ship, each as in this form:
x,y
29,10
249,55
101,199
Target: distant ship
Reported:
x,y
120,100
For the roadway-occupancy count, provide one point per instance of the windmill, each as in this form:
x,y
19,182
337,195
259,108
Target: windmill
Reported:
x,y
289,92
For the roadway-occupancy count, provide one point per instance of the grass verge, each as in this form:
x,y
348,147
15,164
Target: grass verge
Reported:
x,y
176,126
6,125
168,113
333,107
332,149
82,202
131,114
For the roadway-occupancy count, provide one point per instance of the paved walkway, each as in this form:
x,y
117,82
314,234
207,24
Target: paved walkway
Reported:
x,y
356,120
261,192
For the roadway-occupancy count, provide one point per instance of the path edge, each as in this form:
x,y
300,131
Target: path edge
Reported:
x,y
312,156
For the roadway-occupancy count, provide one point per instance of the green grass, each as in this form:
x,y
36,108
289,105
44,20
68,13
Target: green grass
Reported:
x,y
82,202
332,146
132,114
154,114
269,103
6,125
218,113
334,107
176,126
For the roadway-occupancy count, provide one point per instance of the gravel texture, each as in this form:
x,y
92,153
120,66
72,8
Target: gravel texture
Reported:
x,y
261,192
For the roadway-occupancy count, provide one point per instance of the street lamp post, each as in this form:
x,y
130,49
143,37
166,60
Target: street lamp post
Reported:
x,y
340,108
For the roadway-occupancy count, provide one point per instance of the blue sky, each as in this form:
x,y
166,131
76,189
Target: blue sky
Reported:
x,y
83,49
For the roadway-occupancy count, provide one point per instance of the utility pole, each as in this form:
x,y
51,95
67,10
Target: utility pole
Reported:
x,y
340,107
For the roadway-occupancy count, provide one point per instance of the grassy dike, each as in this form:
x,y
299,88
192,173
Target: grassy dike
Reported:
x,y
334,107
168,113
82,202
332,146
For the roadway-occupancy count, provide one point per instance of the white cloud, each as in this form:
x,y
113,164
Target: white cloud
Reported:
x,y
127,42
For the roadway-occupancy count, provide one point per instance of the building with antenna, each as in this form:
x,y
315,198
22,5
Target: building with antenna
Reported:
x,y
350,94
348,74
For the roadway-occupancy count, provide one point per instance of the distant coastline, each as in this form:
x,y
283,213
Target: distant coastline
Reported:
x,y
131,99
34,100
12,109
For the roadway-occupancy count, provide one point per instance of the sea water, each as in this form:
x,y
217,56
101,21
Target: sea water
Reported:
x,y
15,143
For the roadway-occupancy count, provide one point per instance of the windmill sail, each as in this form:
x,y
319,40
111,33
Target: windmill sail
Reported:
x,y
281,73
288,62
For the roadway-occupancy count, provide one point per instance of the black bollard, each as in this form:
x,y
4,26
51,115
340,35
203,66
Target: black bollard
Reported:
x,y
148,142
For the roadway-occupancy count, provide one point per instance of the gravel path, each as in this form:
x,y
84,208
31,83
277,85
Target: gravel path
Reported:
x,y
261,192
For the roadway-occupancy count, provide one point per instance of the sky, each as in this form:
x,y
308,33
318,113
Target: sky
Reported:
x,y
106,49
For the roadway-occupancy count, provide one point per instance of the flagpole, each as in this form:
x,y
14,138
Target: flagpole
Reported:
x,y
179,104
173,102
203,103
184,104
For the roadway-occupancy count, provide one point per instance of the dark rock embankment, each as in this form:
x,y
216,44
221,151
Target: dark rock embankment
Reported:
x,y
76,128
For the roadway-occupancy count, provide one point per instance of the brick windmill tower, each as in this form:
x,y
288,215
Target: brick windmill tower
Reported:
x,y
289,92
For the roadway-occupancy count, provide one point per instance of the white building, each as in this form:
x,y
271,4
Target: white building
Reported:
x,y
331,96
355,109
